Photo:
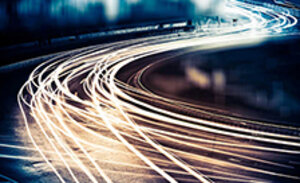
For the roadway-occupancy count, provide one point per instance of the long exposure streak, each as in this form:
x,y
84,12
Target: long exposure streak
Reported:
x,y
91,125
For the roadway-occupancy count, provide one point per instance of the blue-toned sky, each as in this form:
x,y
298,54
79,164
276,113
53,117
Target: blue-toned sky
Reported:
x,y
30,18
33,13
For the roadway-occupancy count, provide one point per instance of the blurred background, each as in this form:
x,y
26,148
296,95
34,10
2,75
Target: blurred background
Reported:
x,y
30,20
26,20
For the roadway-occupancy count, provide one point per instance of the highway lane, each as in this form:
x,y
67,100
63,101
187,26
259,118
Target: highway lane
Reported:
x,y
155,77
91,121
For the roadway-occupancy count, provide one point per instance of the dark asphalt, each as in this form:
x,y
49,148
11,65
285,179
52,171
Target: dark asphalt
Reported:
x,y
271,69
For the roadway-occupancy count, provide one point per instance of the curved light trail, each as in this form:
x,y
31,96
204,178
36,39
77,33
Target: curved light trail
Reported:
x,y
92,121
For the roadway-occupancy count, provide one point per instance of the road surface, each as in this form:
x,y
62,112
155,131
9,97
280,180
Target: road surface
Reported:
x,y
95,114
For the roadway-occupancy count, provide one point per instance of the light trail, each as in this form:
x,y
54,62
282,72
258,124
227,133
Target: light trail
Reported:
x,y
91,125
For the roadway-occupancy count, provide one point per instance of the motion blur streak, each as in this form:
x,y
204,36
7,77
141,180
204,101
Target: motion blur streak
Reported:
x,y
90,124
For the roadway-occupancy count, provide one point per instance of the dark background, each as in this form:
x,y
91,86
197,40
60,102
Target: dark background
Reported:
x,y
28,20
28,27
31,20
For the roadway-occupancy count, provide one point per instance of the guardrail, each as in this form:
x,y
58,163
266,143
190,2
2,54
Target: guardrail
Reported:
x,y
14,53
